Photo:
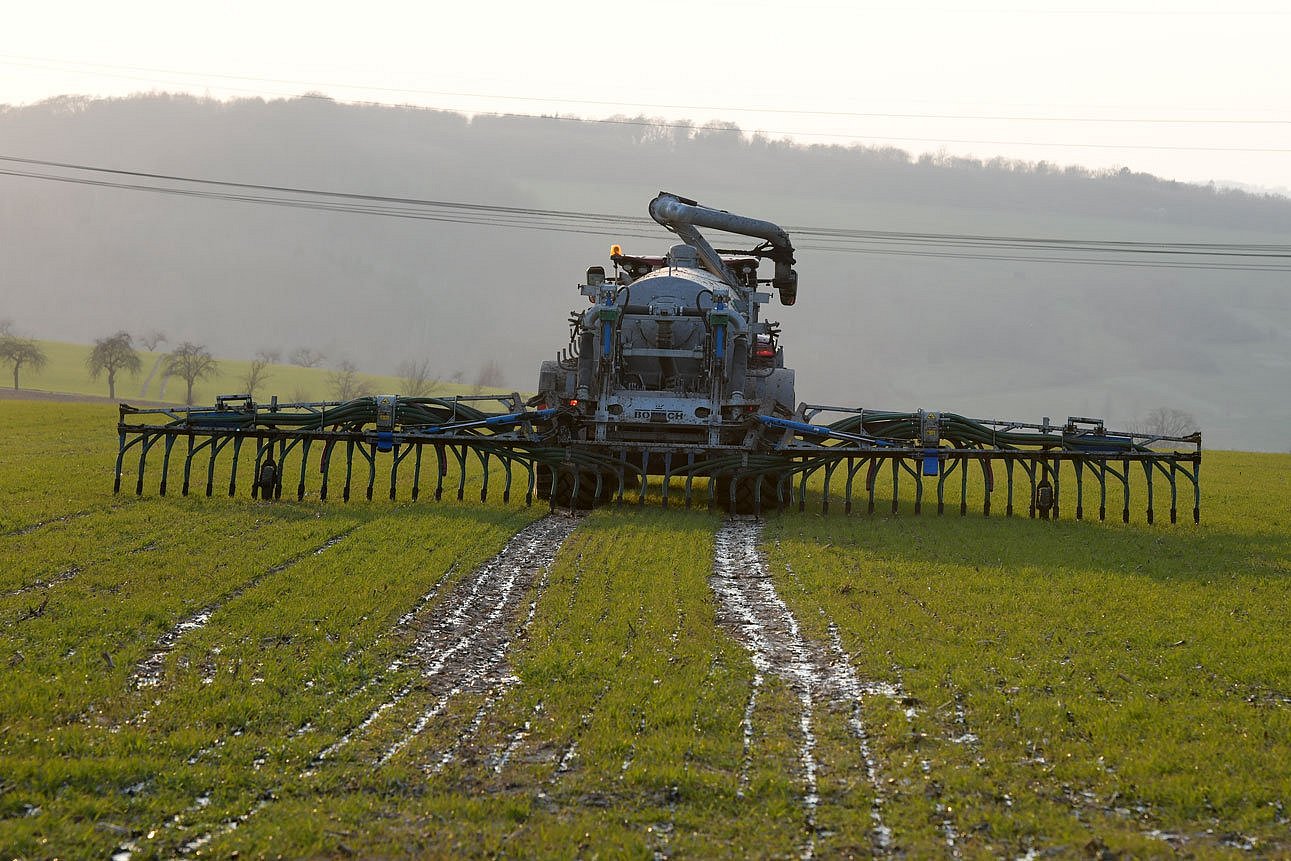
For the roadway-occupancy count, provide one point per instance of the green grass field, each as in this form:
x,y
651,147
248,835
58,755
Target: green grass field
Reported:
x,y
192,676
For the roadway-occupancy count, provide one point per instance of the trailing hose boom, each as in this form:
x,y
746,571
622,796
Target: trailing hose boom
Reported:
x,y
672,385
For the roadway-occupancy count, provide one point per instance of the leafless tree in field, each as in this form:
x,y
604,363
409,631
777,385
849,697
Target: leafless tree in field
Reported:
x,y
489,376
417,379
344,383
306,358
151,341
256,375
1164,421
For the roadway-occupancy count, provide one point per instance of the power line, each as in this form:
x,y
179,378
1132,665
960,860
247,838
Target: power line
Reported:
x,y
1210,256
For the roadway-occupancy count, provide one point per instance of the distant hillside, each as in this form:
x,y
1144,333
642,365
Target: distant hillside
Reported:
x,y
986,337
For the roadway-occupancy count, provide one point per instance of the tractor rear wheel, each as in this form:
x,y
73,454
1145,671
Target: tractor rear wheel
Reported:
x,y
746,493
543,481
564,494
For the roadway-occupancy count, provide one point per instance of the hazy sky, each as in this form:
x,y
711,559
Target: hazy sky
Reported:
x,y
1186,89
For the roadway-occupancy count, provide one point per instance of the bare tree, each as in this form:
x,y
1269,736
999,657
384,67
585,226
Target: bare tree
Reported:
x,y
1164,421
191,362
457,377
112,354
152,340
344,382
20,351
416,378
272,355
489,376
256,375
306,358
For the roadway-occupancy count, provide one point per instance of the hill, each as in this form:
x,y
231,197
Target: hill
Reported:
x,y
1015,338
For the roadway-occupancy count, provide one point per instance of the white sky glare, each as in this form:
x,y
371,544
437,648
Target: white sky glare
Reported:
x,y
1187,90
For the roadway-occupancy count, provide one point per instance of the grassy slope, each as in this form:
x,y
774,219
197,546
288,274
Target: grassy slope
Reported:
x,y
1060,641
66,372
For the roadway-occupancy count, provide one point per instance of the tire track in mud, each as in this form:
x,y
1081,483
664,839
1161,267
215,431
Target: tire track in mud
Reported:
x,y
465,648
127,849
457,648
395,666
61,577
501,754
459,630
750,607
501,680
40,524
856,725
147,673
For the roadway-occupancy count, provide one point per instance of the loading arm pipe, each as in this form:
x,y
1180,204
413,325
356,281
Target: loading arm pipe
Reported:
x,y
682,215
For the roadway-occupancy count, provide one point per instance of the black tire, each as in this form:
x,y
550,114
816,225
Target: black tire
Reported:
x,y
746,492
563,492
542,481
609,488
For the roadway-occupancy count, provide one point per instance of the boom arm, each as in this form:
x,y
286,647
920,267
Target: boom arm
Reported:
x,y
682,216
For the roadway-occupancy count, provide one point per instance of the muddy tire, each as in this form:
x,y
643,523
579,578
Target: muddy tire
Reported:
x,y
746,490
542,482
563,493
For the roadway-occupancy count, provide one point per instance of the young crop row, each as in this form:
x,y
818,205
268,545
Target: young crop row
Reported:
x,y
194,676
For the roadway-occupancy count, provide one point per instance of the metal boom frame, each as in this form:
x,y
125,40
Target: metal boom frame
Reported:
x,y
857,454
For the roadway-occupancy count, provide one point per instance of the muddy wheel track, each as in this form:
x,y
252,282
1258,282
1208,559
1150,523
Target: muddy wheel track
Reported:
x,y
750,607
502,682
147,673
46,584
501,755
465,630
41,524
532,549
465,649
